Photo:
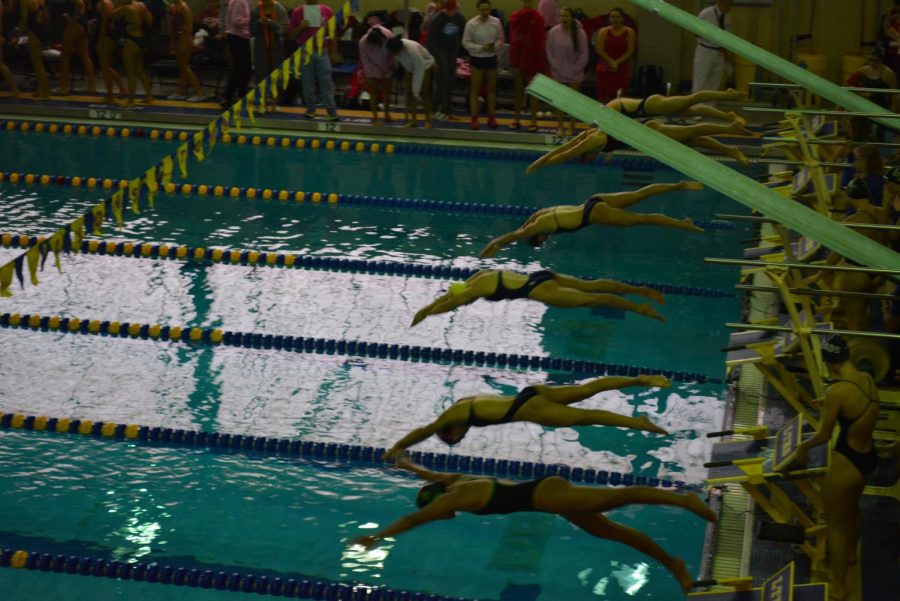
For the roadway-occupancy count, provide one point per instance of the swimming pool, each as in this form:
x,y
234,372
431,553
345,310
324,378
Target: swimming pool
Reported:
x,y
290,516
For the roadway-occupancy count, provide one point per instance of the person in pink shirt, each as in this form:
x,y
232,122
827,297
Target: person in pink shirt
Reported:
x,y
316,67
378,69
567,53
550,11
482,39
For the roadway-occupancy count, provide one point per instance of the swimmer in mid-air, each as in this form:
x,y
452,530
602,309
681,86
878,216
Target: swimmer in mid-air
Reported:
x,y
582,506
544,286
539,404
600,209
689,106
591,142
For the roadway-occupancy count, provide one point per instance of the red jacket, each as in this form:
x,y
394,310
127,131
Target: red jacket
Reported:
x,y
526,42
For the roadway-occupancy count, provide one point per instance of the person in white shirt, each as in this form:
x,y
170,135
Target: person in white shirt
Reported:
x,y
420,67
709,58
483,39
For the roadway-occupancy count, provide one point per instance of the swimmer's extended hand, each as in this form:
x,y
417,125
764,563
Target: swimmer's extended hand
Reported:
x,y
420,315
656,380
365,541
489,251
687,185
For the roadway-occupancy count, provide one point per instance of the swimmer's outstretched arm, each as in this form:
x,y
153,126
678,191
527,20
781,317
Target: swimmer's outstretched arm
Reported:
x,y
530,228
589,140
446,302
572,394
404,462
415,437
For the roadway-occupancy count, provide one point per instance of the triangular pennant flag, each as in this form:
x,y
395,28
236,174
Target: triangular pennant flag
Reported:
x,y
332,24
57,242
77,233
345,14
33,256
273,85
198,146
89,220
6,275
117,202
18,264
181,155
166,168
285,74
236,111
45,252
249,106
320,40
150,177
308,48
134,195
295,60
212,132
99,216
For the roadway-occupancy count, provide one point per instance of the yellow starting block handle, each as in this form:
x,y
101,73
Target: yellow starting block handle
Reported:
x,y
756,431
741,583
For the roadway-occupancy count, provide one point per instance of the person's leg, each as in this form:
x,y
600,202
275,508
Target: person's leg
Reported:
x,y
533,107
557,415
711,112
474,86
602,527
411,105
442,78
242,66
621,218
374,89
518,97
308,82
181,59
86,63
427,83
587,141
551,293
130,56
716,146
490,80
105,49
42,84
326,84
841,493
657,104
231,84
610,287
682,133
623,200
69,43
7,75
144,77
387,88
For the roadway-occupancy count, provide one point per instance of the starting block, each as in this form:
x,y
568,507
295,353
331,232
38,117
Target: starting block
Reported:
x,y
779,586
765,468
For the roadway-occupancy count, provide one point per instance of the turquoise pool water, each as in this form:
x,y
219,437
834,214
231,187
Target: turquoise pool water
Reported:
x,y
182,505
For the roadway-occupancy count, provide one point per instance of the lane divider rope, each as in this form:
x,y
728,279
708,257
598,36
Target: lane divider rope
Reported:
x,y
332,346
299,141
279,259
299,196
261,584
482,466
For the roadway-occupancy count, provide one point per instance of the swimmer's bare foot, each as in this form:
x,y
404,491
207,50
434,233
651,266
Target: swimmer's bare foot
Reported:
x,y
737,118
736,153
688,185
680,571
687,224
737,128
649,426
732,94
649,311
695,505
537,164
655,380
651,293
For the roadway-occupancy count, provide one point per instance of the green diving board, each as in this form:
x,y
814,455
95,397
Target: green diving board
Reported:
x,y
717,176
769,61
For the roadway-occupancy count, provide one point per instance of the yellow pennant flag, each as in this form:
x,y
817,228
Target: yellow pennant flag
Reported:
x,y
295,60
236,113
99,214
198,146
250,99
181,154
332,23
33,257
77,233
211,128
152,185
6,276
134,195
285,74
56,242
117,202
308,49
167,167
320,39
346,10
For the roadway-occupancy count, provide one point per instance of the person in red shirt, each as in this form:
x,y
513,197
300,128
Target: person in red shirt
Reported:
x,y
527,56
615,45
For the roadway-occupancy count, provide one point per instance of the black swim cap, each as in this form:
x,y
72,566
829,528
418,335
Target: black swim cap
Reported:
x,y
429,493
892,175
834,349
857,189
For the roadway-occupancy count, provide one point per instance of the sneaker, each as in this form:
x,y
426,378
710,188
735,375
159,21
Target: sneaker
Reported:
x,y
310,114
196,98
332,118
492,122
440,116
176,97
474,123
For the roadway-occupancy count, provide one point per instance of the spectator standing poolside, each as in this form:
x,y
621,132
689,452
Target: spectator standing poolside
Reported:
x,y
615,45
378,69
567,53
483,38
420,67
527,56
709,58
445,33
315,66
268,23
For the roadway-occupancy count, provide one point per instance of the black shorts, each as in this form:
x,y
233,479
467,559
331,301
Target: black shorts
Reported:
x,y
483,62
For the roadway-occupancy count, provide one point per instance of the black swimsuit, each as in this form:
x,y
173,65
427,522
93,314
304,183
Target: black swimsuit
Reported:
x,y
510,498
585,216
637,113
523,397
866,462
534,280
